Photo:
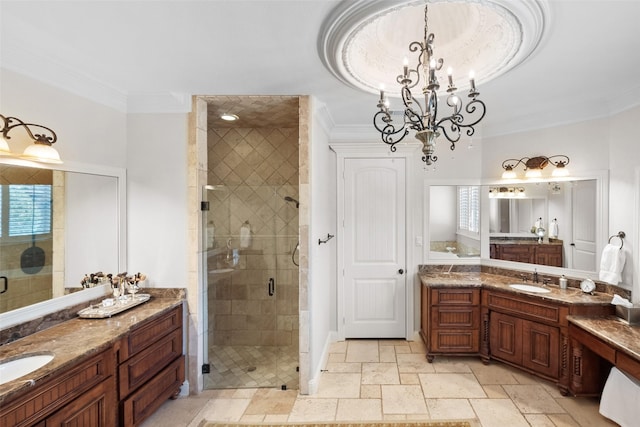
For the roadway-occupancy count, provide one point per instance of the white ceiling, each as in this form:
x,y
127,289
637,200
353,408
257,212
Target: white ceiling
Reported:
x,y
150,55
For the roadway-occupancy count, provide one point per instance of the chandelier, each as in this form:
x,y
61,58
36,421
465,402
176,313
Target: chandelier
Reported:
x,y
424,119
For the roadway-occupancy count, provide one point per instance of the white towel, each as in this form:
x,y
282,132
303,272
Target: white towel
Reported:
x,y
245,235
611,264
553,229
620,400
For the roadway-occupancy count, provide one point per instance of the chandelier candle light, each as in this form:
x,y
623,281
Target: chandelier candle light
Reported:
x,y
424,119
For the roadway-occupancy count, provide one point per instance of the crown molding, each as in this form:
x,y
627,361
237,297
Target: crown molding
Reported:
x,y
158,102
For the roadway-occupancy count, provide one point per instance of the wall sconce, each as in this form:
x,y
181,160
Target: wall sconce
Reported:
x,y
533,166
41,149
506,192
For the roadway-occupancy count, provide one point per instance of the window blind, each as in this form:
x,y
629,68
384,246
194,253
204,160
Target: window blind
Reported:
x,y
29,210
469,208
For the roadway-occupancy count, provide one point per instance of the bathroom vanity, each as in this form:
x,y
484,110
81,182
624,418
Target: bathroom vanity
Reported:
x,y
480,314
105,372
527,250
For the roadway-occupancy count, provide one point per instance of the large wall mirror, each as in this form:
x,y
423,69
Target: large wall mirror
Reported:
x,y
570,215
56,225
546,223
454,222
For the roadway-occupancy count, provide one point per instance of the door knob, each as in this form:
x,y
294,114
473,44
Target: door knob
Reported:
x,y
401,271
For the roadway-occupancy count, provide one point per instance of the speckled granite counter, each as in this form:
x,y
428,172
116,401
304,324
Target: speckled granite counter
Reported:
x,y
499,241
612,330
78,338
499,282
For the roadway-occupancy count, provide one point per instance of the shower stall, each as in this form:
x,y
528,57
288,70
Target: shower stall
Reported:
x,y
251,235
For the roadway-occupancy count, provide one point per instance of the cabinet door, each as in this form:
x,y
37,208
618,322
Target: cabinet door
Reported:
x,y
549,255
541,348
518,253
505,337
96,408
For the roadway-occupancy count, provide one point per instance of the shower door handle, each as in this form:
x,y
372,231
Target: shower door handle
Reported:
x,y
272,286
5,288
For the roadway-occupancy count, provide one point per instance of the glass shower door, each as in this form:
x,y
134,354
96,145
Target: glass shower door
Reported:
x,y
240,268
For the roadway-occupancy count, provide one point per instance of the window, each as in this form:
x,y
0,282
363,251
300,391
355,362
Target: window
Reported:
x,y
469,209
26,210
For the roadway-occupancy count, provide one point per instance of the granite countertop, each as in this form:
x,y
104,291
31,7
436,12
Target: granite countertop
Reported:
x,y
497,282
612,330
524,242
74,339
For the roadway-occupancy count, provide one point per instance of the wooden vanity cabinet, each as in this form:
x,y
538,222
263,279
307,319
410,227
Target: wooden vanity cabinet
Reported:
x,y
532,345
533,253
150,366
85,394
527,332
451,325
532,333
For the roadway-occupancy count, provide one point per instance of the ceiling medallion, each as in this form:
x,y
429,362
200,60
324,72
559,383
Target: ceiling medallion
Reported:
x,y
362,42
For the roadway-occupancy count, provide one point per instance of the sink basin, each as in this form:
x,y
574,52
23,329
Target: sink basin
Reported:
x,y
24,365
530,288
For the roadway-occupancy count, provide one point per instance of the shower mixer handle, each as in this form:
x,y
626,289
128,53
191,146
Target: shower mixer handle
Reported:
x,y
271,286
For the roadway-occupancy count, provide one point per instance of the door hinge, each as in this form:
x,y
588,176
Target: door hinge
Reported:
x,y
206,368
204,206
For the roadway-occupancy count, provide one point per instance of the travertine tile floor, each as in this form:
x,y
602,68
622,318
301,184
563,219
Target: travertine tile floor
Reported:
x,y
391,380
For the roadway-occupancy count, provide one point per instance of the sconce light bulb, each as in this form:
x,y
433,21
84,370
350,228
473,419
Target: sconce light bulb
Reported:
x,y
41,153
560,171
533,173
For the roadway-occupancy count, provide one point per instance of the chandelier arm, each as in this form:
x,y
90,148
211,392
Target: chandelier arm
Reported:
x,y
412,116
388,131
454,102
37,138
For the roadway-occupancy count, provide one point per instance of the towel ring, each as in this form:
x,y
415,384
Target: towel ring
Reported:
x,y
621,235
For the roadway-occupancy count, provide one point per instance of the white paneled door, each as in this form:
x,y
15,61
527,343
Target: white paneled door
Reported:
x,y
374,248
583,198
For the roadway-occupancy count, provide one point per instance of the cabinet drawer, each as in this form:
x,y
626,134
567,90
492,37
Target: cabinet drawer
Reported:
x,y
538,311
142,337
455,341
146,364
58,391
153,394
455,296
455,317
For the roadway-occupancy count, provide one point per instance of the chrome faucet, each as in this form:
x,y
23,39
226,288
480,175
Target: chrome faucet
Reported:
x,y
535,275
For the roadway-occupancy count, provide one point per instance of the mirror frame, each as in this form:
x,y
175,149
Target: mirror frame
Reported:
x,y
33,311
602,222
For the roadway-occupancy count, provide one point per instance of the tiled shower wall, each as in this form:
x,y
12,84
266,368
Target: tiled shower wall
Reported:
x,y
252,169
24,289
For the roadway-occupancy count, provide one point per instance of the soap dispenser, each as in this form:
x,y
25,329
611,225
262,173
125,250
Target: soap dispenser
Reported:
x,y
563,282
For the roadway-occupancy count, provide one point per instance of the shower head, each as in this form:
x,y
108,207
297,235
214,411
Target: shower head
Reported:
x,y
291,199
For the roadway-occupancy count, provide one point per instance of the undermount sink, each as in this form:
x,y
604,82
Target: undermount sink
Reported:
x,y
530,288
24,365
